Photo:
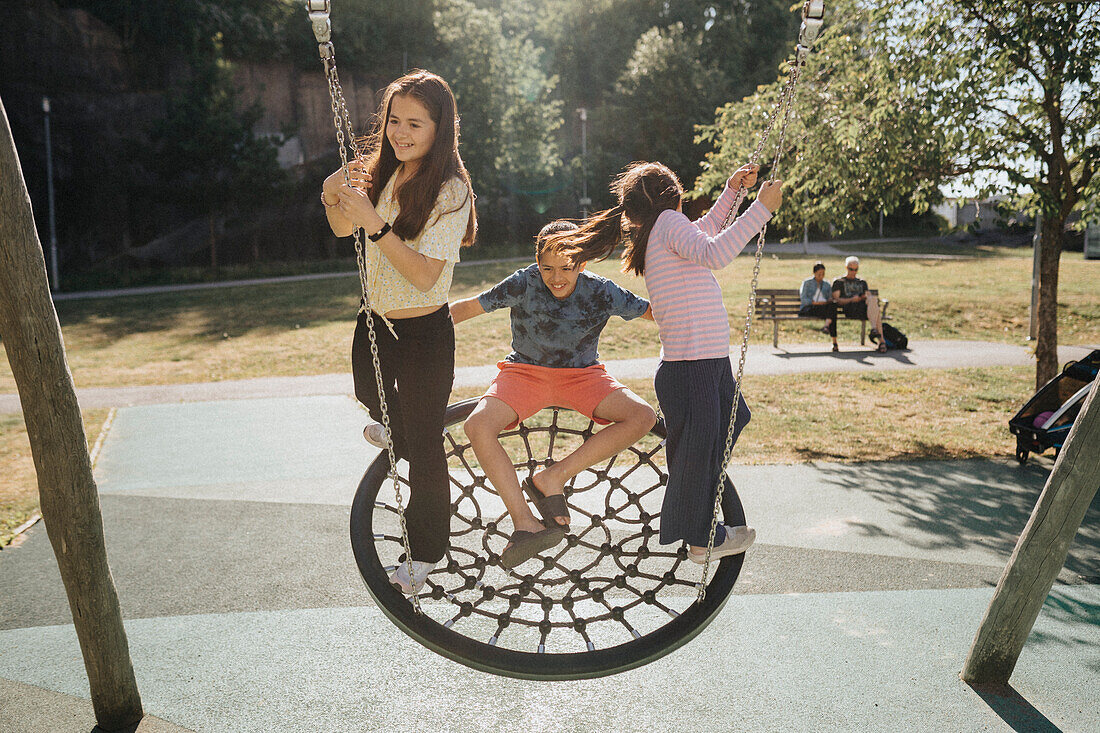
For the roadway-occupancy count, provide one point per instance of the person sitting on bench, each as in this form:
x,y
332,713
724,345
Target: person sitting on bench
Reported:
x,y
816,298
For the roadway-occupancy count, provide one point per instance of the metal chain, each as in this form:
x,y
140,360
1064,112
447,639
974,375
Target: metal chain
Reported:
x,y
345,138
812,13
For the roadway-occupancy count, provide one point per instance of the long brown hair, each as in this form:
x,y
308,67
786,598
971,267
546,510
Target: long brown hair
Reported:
x,y
417,196
644,190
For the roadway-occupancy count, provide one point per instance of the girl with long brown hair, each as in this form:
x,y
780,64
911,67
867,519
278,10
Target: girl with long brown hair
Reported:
x,y
694,382
412,197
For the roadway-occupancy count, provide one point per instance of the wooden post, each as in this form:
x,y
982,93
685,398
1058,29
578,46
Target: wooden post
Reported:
x,y
70,502
1040,552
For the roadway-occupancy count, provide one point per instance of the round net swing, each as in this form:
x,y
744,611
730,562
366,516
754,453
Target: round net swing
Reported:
x,y
608,599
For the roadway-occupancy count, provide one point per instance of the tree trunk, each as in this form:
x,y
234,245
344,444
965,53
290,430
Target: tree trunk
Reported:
x,y
70,503
1040,552
1046,347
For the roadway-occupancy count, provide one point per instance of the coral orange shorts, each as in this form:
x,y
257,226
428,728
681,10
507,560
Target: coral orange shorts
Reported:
x,y
528,388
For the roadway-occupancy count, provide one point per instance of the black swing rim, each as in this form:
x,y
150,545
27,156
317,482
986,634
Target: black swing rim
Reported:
x,y
532,665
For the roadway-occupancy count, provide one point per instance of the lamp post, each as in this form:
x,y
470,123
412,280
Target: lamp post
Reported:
x,y
585,202
54,275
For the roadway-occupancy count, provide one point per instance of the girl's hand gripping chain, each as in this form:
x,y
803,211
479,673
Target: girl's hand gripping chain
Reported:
x,y
771,195
743,177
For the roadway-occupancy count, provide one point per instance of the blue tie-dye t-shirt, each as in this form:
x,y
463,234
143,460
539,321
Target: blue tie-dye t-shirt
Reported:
x,y
561,333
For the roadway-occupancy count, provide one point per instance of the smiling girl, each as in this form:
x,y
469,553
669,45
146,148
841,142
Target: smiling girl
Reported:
x,y
412,197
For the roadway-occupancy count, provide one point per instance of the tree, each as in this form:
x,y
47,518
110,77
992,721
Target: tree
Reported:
x,y
851,108
505,102
70,502
662,94
207,160
901,98
745,41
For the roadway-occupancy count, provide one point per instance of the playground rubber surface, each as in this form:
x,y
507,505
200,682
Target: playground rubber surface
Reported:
x,y
227,533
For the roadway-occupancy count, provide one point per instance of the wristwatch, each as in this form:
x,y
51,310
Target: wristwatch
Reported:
x,y
380,233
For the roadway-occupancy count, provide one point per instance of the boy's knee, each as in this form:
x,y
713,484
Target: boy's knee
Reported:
x,y
479,429
643,416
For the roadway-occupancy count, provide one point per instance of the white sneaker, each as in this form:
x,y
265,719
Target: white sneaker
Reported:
x,y
411,585
375,434
738,539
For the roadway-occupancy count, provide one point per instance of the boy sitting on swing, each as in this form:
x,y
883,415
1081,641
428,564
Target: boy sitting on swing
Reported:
x,y
557,313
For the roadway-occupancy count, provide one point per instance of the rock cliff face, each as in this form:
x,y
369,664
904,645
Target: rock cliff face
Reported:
x,y
102,108
299,103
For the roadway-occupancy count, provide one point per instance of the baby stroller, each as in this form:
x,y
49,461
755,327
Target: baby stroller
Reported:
x,y
1045,420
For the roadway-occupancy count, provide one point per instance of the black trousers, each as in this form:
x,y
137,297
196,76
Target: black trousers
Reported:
x,y
418,369
821,310
696,398
856,310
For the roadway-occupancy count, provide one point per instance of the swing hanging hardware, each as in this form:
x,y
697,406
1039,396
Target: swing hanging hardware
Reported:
x,y
813,17
322,26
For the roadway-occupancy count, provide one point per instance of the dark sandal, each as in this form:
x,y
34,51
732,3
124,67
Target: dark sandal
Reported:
x,y
881,348
525,545
549,507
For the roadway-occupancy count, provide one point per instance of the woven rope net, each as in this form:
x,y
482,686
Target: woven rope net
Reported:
x,y
609,584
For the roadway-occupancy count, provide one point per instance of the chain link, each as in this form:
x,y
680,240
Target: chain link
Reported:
x,y
783,106
345,138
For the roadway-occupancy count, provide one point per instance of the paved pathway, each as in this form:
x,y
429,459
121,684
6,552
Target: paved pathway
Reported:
x,y
761,360
227,528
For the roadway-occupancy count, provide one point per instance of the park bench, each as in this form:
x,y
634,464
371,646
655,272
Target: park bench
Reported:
x,y
777,305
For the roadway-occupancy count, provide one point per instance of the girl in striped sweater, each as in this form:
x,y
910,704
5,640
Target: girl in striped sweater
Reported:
x,y
694,382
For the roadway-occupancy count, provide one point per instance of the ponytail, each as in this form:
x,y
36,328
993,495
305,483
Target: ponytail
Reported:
x,y
644,191
595,239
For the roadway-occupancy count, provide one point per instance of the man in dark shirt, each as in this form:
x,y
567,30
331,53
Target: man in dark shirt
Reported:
x,y
851,294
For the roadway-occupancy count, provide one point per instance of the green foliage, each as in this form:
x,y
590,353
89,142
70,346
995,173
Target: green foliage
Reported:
x,y
664,73
744,41
381,38
1018,84
860,139
505,99
999,95
204,153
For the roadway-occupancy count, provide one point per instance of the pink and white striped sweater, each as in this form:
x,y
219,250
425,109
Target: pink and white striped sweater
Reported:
x,y
686,297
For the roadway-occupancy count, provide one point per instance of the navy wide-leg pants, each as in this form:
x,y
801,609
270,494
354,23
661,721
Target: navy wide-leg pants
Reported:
x,y
696,399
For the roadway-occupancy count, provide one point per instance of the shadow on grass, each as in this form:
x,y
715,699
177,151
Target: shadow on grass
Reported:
x,y
1014,709
958,504
863,354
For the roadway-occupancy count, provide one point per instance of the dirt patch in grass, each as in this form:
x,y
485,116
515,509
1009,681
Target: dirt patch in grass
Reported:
x,y
19,489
